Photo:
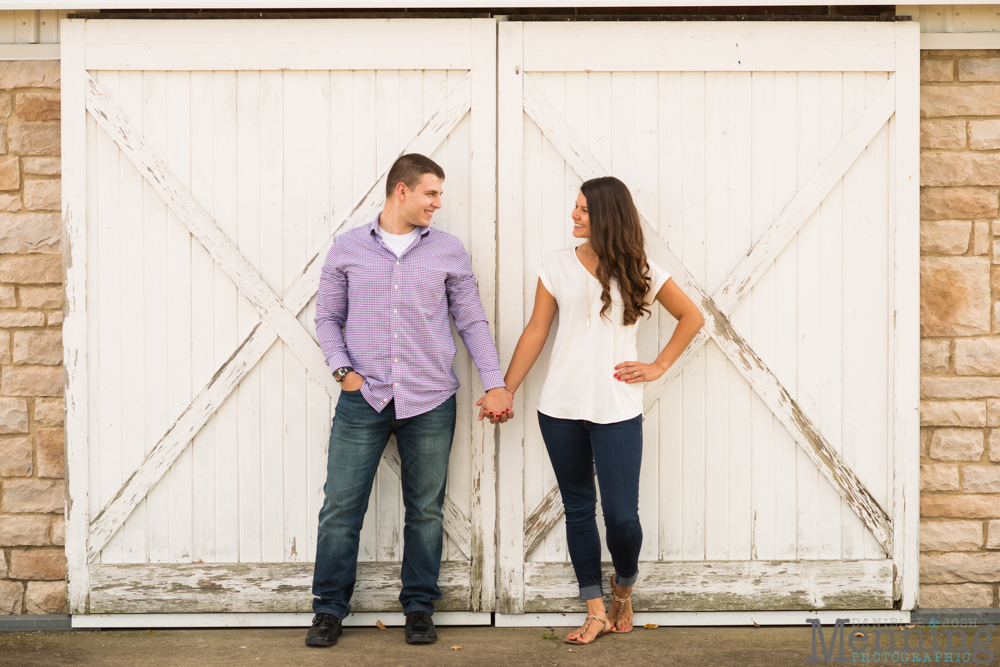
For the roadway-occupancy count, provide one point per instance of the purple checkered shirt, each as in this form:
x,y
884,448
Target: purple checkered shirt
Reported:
x,y
393,313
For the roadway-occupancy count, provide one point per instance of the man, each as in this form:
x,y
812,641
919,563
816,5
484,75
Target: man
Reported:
x,y
385,294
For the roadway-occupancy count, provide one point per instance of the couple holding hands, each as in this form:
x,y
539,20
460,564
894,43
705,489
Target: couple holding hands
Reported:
x,y
382,319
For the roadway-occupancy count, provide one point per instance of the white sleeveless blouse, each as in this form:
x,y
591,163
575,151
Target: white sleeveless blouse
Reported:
x,y
580,382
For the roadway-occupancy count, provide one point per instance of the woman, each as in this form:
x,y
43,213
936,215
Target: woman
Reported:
x,y
590,406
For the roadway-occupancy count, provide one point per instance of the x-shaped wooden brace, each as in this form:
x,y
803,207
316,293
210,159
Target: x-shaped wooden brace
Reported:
x,y
717,308
277,314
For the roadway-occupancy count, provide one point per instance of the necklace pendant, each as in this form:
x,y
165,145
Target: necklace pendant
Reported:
x,y
588,320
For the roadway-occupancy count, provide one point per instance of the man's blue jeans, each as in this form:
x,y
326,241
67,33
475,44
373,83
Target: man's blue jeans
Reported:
x,y
357,439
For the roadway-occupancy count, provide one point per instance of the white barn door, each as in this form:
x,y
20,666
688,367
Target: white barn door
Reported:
x,y
775,167
208,165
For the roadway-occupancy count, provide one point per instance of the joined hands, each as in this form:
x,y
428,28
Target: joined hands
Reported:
x,y
497,404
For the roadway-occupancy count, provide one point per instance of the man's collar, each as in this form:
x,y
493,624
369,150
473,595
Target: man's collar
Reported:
x,y
373,225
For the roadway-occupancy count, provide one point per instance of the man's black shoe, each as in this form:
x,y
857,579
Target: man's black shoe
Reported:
x,y
324,631
420,628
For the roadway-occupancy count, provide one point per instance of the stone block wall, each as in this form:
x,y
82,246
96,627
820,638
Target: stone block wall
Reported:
x,y
960,328
32,460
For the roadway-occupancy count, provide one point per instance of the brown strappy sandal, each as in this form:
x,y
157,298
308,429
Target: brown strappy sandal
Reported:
x,y
586,626
621,607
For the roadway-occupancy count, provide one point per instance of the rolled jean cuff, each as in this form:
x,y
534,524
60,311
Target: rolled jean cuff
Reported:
x,y
625,582
591,591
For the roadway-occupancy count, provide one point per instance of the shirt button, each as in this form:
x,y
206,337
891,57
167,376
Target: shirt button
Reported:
x,y
395,384
395,286
395,336
394,310
397,263
395,360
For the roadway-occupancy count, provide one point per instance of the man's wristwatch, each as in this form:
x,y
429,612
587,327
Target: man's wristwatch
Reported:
x,y
341,373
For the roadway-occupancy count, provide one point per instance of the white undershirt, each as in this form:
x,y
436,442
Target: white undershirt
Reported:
x,y
398,243
580,381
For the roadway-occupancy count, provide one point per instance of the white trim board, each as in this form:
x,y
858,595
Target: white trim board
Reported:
x,y
442,618
188,621
275,44
29,51
959,40
710,618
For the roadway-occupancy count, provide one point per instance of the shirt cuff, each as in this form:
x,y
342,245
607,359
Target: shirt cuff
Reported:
x,y
492,380
339,360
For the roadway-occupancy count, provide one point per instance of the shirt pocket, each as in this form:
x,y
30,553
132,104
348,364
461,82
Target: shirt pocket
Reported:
x,y
429,293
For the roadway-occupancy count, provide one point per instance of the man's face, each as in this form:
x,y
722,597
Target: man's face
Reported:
x,y
417,206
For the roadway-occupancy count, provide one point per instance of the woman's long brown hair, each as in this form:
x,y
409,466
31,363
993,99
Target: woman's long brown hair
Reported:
x,y
616,238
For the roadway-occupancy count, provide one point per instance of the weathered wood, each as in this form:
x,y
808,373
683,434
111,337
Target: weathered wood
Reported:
x,y
717,325
74,214
905,420
483,252
510,302
356,619
807,198
542,518
789,222
663,619
257,342
253,587
708,47
182,203
726,585
786,225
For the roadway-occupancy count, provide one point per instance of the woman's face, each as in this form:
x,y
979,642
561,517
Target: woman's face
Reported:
x,y
581,219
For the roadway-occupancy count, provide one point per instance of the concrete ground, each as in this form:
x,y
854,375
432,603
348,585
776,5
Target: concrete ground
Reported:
x,y
370,647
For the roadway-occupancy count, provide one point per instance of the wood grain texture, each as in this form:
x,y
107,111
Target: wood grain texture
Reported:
x,y
483,251
905,422
807,198
323,44
253,587
74,209
791,219
201,225
727,585
253,347
708,47
510,301
545,515
717,325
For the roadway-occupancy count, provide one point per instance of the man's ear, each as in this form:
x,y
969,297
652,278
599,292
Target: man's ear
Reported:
x,y
401,191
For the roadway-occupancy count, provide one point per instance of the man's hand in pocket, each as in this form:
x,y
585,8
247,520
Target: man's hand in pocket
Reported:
x,y
352,382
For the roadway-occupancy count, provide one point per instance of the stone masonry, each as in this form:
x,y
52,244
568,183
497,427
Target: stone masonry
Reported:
x,y
960,329
32,460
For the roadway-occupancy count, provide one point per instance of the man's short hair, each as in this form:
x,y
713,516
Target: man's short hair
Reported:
x,y
409,169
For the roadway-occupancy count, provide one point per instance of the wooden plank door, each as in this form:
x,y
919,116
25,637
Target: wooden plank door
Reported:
x,y
774,165
209,164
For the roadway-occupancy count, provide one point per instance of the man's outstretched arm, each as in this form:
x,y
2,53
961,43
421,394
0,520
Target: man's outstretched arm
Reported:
x,y
470,319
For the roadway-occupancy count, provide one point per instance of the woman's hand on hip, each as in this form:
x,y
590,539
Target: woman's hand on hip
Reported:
x,y
636,371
